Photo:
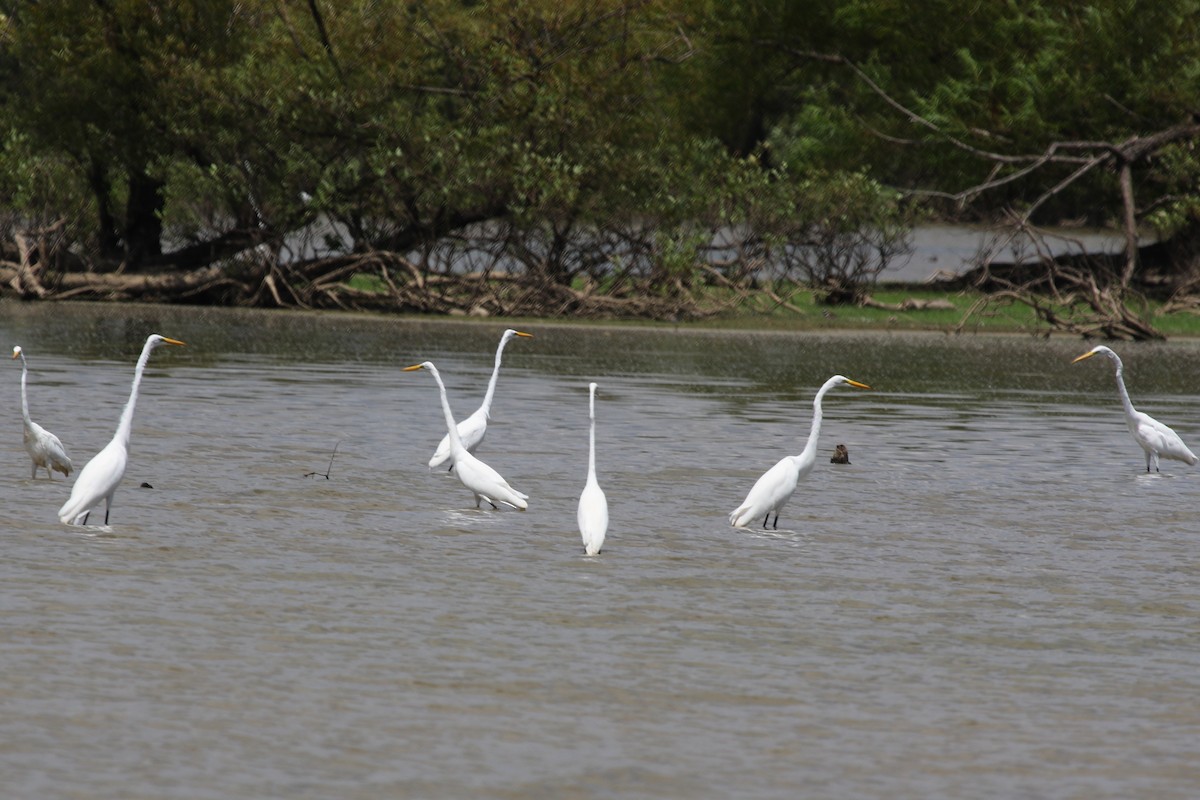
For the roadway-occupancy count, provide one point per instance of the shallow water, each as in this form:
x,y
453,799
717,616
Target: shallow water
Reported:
x,y
993,600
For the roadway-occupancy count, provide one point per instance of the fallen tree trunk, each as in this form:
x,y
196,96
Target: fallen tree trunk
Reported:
x,y
257,280
910,304
119,285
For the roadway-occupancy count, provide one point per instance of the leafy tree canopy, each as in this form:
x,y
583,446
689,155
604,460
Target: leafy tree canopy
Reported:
x,y
635,128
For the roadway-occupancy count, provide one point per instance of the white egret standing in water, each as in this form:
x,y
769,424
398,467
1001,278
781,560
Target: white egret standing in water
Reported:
x,y
483,481
472,429
1153,437
593,505
99,478
773,490
43,447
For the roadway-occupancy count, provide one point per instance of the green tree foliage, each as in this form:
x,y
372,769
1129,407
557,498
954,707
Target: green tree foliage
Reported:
x,y
99,85
570,140
948,94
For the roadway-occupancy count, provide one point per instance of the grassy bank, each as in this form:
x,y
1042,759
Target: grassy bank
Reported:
x,y
934,310
950,309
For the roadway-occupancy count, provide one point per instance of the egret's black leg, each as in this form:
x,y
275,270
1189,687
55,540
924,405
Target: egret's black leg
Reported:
x,y
767,517
85,516
775,524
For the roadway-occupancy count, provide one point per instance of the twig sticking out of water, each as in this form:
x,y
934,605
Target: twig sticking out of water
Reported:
x,y
328,469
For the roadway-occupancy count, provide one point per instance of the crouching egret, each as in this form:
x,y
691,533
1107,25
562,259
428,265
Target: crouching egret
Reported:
x,y
472,429
1156,439
772,491
483,481
593,505
44,448
99,478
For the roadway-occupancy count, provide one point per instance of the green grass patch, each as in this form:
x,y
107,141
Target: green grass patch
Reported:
x,y
802,311
1179,323
366,282
799,310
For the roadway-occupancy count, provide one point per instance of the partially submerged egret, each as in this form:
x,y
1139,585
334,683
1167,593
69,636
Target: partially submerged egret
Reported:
x,y
99,478
773,490
483,481
1156,439
43,447
593,505
472,429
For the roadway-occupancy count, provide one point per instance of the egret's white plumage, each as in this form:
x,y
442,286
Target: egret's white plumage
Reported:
x,y
483,481
99,478
44,448
772,491
593,505
1156,439
472,429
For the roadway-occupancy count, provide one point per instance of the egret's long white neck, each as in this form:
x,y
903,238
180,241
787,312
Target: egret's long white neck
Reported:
x,y
1121,390
24,398
456,445
810,447
491,389
126,424
592,434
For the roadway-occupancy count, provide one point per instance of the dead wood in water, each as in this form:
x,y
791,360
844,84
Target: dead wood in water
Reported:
x,y
1070,299
395,285
910,304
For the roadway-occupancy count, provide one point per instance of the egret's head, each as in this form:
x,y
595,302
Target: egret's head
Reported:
x,y
843,379
508,334
422,365
1097,350
17,351
155,340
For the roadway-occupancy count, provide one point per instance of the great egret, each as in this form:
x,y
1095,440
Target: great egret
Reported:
x,y
1153,437
483,481
772,491
593,506
472,429
99,478
43,447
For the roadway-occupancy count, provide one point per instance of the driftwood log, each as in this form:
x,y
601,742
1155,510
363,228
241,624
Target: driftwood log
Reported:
x,y
910,304
258,280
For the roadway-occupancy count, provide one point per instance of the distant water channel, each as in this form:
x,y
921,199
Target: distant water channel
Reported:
x,y
992,600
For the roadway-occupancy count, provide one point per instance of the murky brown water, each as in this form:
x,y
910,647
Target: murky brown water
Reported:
x,y
992,600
